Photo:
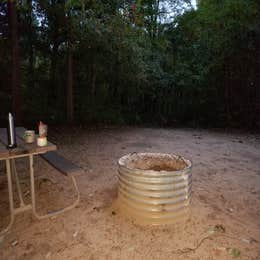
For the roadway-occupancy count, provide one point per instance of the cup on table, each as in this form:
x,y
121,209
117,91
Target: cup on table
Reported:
x,y
29,136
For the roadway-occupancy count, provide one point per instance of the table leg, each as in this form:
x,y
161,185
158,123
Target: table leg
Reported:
x,y
17,182
32,183
11,198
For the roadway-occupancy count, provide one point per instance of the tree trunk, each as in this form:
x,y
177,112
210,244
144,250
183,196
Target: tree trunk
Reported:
x,y
70,105
53,73
31,50
15,77
93,80
227,95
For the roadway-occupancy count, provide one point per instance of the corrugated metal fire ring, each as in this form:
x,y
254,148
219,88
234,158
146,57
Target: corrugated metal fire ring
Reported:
x,y
154,188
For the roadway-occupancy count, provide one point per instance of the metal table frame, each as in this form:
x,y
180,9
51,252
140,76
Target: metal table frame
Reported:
x,y
11,170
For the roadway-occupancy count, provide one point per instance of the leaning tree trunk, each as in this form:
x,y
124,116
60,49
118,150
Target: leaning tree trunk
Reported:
x,y
69,96
70,103
14,47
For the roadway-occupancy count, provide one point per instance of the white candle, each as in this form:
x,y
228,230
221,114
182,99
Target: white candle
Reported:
x,y
41,141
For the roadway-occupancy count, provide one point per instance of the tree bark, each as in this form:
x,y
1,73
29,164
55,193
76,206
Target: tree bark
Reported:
x,y
70,103
15,77
31,50
53,72
93,80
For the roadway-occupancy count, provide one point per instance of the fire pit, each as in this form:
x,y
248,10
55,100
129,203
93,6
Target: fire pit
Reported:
x,y
154,188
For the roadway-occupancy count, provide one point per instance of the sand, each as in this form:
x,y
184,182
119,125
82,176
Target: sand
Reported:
x,y
225,211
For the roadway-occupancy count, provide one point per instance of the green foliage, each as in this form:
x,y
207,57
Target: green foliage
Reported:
x,y
215,61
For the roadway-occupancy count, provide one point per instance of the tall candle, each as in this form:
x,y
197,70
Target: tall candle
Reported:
x,y
11,132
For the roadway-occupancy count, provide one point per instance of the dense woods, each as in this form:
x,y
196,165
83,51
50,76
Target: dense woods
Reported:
x,y
131,62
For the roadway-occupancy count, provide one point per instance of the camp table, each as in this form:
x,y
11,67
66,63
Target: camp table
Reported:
x,y
29,150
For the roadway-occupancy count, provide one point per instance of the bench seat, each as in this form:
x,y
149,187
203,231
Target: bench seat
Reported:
x,y
62,164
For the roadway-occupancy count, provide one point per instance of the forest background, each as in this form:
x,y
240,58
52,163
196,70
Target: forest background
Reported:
x,y
143,62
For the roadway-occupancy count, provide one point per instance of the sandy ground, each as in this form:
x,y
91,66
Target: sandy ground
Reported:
x,y
225,214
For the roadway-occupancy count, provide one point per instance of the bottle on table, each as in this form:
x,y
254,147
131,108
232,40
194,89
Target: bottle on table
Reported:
x,y
42,139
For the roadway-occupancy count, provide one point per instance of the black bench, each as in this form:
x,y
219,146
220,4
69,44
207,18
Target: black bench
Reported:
x,y
62,164
67,168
